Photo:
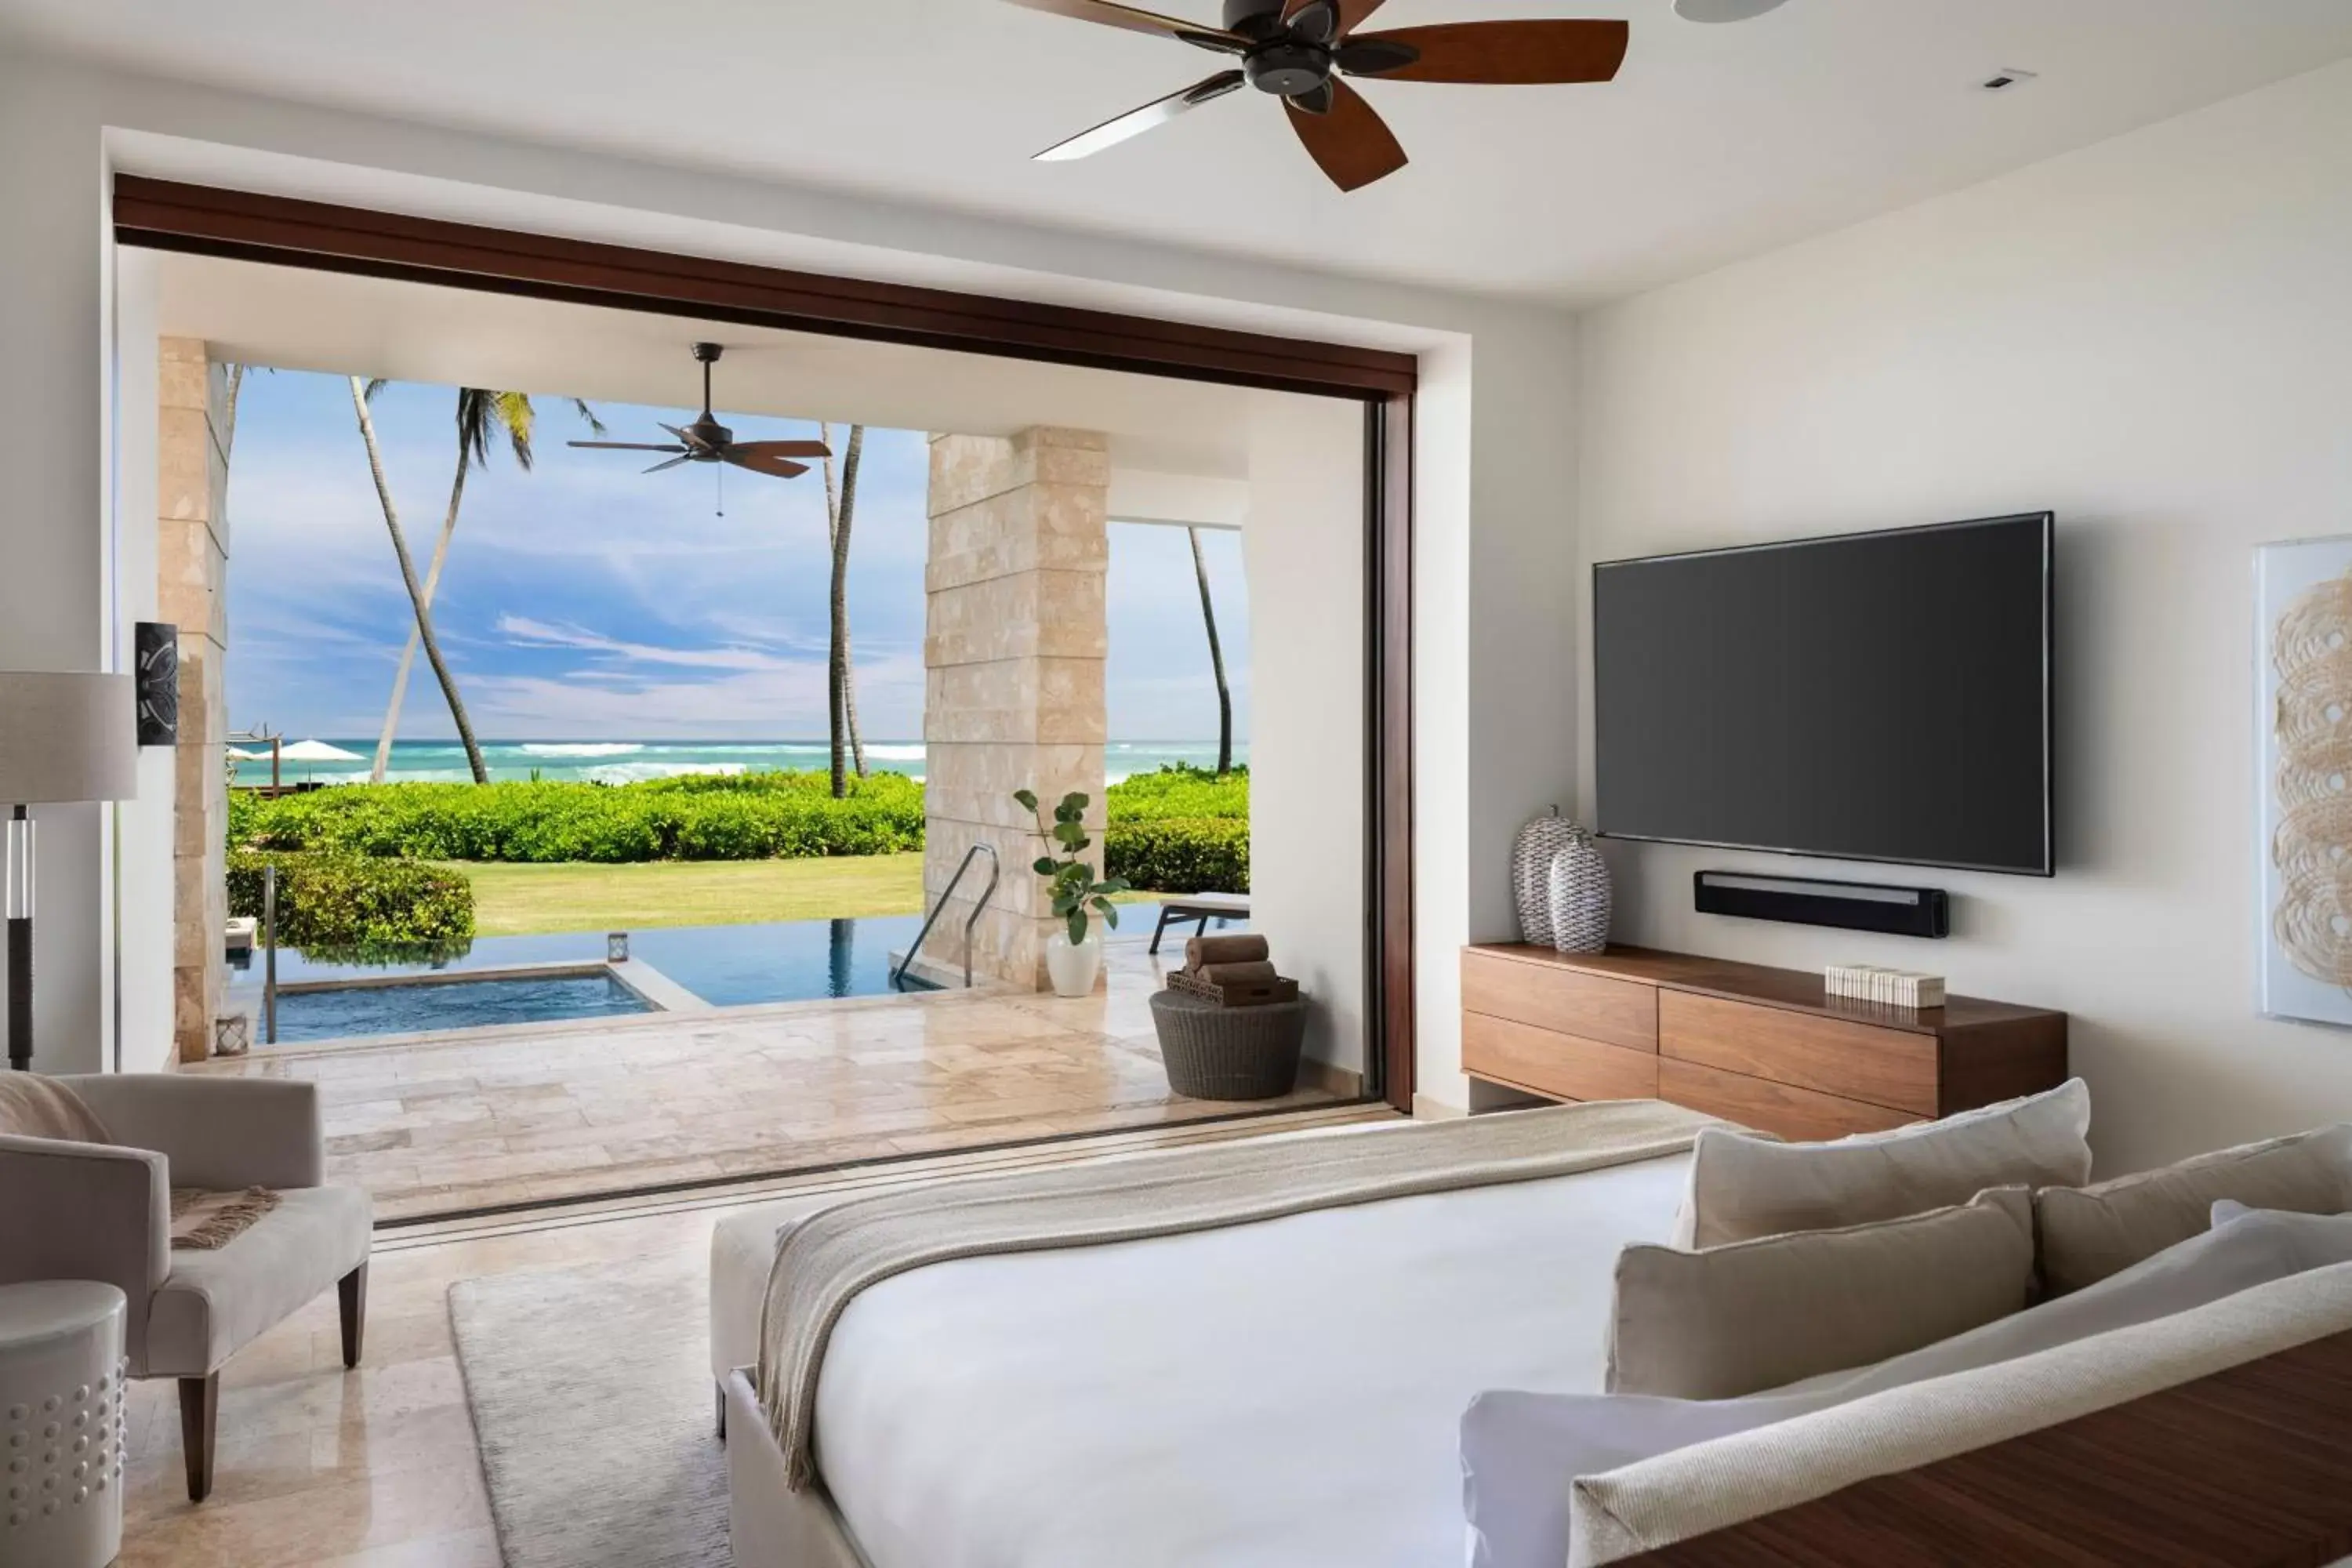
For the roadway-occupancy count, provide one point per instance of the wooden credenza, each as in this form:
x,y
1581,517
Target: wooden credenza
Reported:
x,y
1766,1047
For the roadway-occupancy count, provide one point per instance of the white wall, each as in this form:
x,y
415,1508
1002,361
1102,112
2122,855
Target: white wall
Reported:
x,y
143,827
1492,471
2152,337
1304,550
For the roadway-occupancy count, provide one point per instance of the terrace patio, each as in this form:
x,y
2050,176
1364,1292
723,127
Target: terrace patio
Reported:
x,y
469,1119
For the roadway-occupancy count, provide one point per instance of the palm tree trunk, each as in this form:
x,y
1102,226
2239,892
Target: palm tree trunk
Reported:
x,y
416,597
1216,659
408,649
846,515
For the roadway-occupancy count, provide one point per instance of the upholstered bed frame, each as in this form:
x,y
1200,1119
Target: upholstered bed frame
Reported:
x,y
773,1526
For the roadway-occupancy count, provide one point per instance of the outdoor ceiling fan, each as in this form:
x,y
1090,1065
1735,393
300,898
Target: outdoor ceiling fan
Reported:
x,y
708,441
1298,50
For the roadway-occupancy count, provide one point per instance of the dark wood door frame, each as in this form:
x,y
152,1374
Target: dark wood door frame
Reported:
x,y
203,220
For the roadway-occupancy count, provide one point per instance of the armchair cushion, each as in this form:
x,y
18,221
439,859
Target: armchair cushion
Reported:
x,y
221,1133
214,1302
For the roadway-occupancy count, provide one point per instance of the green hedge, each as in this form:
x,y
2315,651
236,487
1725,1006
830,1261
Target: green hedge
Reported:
x,y
1180,855
749,816
1179,791
336,901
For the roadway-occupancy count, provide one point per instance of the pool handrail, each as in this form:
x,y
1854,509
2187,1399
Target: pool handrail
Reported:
x,y
995,870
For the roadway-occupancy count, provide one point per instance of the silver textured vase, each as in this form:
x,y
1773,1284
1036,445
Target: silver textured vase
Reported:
x,y
1576,884
1531,854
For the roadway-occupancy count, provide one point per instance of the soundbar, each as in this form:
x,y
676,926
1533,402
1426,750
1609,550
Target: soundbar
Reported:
x,y
1807,900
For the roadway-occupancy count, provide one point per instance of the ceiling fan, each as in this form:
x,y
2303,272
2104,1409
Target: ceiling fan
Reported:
x,y
708,441
1299,50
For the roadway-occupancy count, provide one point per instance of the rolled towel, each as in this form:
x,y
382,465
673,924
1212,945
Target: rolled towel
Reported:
x,y
1238,974
1200,951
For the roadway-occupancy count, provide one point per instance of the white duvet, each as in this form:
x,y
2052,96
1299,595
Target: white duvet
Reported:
x,y
964,1419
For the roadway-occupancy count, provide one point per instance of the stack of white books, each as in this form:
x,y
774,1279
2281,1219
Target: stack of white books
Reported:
x,y
1894,987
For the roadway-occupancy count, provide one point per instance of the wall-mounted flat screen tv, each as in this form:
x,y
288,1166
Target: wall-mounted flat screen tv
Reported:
x,y
1868,697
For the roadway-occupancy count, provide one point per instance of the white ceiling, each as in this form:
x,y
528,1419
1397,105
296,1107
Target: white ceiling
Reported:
x,y
1714,141
296,318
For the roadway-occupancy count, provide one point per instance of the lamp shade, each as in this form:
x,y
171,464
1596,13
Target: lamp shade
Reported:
x,y
66,736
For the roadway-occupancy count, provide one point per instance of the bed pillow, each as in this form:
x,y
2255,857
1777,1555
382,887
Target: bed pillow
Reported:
x,y
1758,1314
1520,1450
1743,1186
2089,1232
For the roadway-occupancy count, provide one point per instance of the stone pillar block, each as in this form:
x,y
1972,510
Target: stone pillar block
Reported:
x,y
192,568
1015,638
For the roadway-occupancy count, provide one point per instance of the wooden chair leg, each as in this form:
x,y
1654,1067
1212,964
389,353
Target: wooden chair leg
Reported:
x,y
199,1417
352,1290
722,1412
1161,930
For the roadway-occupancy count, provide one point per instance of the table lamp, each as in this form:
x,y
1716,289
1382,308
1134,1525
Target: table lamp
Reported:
x,y
63,736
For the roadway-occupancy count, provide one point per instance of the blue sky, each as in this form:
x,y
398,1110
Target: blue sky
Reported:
x,y
584,600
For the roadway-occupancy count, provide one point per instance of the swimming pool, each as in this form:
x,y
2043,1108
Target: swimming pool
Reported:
x,y
725,966
412,1007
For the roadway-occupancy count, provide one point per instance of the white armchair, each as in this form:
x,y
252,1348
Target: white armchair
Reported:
x,y
102,1210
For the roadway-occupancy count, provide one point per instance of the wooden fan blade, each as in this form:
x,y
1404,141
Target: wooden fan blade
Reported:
x,y
1353,143
1500,52
783,448
1348,15
759,463
629,446
673,463
1136,121
1137,21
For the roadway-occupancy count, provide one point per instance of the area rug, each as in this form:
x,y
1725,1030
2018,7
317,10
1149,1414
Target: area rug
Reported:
x,y
591,1395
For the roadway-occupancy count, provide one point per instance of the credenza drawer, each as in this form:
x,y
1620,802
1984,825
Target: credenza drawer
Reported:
x,y
1561,1066
1591,1006
1801,1115
1890,1067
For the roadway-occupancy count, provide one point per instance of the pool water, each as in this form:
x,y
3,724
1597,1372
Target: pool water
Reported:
x,y
727,967
451,1005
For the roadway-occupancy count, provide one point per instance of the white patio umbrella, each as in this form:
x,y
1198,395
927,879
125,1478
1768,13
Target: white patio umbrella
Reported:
x,y
316,751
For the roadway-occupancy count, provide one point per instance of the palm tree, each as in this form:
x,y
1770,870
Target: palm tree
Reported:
x,y
841,696
480,415
1216,659
361,391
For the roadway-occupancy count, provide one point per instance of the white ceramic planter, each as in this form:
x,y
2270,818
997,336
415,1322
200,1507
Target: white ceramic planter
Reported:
x,y
1073,967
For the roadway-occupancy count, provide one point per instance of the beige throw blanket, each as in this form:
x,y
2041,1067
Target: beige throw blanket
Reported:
x,y
32,1106
829,1256
207,1221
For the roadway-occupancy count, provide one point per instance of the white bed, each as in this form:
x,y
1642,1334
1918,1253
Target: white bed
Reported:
x,y
961,1421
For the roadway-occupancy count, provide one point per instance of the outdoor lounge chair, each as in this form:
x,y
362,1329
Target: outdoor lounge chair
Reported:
x,y
1201,907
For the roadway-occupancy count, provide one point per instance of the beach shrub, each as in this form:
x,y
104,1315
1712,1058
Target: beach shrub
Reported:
x,y
747,816
349,901
1177,790
1180,855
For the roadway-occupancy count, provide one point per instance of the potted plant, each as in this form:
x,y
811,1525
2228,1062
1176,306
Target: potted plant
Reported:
x,y
1073,954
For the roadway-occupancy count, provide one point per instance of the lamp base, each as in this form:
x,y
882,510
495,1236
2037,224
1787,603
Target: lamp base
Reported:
x,y
20,941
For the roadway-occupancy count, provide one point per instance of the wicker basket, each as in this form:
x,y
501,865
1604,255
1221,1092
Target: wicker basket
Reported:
x,y
1228,1053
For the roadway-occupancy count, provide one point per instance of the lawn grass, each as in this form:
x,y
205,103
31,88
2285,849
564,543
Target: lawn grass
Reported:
x,y
512,899
517,899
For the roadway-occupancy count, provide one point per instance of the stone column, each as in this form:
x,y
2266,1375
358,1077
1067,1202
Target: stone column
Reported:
x,y
192,488
1012,656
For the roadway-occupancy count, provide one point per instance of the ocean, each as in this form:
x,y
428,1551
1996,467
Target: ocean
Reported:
x,y
625,762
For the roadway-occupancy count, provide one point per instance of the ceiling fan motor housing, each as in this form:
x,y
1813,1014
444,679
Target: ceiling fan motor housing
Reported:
x,y
1287,68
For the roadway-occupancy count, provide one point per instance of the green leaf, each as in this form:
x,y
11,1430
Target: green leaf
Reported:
x,y
1078,927
1070,835
1046,865
1114,884
1108,910
1075,804
1027,799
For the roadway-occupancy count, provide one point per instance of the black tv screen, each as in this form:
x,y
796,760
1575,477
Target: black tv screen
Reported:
x,y
1869,696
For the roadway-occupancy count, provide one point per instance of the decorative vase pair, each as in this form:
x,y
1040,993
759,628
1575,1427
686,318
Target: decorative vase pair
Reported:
x,y
1560,885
